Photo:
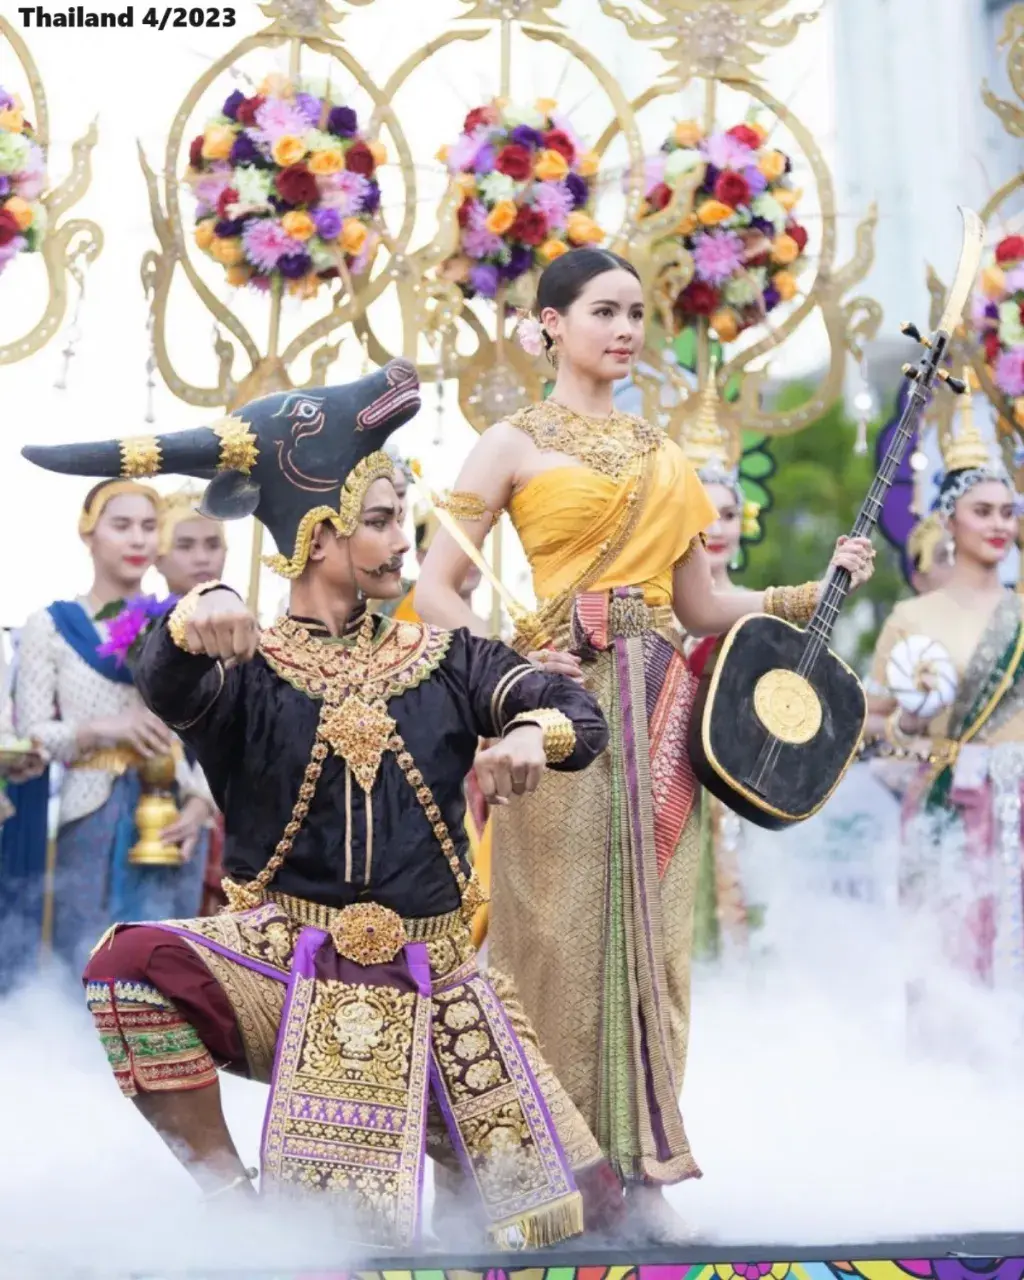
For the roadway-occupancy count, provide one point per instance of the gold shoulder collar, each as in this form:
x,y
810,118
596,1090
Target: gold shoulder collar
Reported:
x,y
404,654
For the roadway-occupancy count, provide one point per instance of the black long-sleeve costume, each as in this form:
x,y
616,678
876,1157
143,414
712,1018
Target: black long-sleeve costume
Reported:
x,y
253,733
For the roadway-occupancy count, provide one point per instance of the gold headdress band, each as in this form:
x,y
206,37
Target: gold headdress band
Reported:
x,y
376,466
177,508
113,489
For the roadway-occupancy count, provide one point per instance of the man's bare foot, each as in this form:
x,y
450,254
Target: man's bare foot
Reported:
x,y
651,1218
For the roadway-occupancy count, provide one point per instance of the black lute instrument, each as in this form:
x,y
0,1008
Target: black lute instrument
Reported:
x,y
778,716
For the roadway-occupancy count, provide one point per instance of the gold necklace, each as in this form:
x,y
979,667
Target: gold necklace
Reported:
x,y
607,445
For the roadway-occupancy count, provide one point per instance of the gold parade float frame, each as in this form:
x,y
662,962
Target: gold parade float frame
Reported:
x,y
67,247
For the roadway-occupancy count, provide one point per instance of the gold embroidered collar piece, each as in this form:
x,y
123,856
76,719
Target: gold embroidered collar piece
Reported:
x,y
608,445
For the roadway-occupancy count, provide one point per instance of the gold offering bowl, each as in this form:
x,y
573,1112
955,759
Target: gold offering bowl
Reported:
x,y
155,812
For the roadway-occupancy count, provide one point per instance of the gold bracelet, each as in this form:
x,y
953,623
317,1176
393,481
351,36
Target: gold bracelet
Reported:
x,y
792,604
183,611
463,505
558,730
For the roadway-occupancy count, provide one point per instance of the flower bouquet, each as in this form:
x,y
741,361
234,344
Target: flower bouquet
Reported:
x,y
745,243
286,188
129,622
526,182
998,320
22,182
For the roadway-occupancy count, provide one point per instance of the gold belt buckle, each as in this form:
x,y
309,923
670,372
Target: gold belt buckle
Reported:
x,y
367,933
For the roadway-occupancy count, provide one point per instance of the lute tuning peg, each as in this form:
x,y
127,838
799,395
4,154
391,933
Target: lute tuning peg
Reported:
x,y
912,331
957,385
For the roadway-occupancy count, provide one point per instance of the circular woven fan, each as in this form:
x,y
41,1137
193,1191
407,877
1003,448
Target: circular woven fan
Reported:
x,y
921,676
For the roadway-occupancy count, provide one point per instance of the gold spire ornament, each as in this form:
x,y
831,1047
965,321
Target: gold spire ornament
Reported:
x,y
964,449
705,442
67,247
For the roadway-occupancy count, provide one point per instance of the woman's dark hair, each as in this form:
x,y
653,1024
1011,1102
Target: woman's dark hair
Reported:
x,y
563,280
93,493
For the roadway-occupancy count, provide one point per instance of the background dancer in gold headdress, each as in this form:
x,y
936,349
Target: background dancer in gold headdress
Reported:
x,y
594,882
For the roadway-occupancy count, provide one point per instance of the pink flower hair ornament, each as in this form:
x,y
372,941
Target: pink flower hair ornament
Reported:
x,y
530,334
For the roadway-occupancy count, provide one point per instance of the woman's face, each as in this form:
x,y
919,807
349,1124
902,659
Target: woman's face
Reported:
x,y
602,333
724,534
984,523
123,544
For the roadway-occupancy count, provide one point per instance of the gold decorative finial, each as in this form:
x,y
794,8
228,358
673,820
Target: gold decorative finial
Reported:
x,y
965,447
704,441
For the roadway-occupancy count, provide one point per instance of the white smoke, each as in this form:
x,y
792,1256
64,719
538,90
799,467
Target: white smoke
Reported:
x,y
809,1120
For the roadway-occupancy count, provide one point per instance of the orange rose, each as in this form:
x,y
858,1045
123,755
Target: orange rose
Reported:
x,y
466,183
725,324
353,236
785,284
545,106
552,249
687,225
237,276
299,225
687,133
582,229
379,152
785,250
218,140
228,252
276,85
993,282
712,212
12,120
442,154
787,198
306,287
287,150
21,211
550,166
204,233
501,217
772,164
587,164
323,162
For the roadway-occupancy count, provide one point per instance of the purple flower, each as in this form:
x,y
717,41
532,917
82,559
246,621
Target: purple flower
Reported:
x,y
726,152
771,298
520,261
125,629
555,201
293,266
310,108
244,150
5,184
11,250
484,279
527,137
717,256
345,191
485,159
477,241
371,198
711,173
342,122
266,242
328,223
278,117
228,227
1009,371
465,151
233,102
5,100
756,180
764,225
577,189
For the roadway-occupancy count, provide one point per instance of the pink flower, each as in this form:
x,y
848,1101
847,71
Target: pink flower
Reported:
x,y
277,117
1015,279
463,152
343,191
11,250
208,190
717,256
477,241
31,184
1009,372
266,242
531,335
726,152
554,200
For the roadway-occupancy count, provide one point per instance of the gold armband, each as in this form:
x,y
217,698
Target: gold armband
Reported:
x,y
558,730
462,505
184,610
792,604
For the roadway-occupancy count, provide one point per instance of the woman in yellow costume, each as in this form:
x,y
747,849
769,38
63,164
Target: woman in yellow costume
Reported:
x,y
956,656
593,890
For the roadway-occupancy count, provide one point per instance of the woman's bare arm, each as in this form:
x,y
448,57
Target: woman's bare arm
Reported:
x,y
701,610
490,473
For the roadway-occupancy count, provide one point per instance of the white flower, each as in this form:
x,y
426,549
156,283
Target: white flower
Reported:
x,y
320,255
15,150
497,186
253,186
319,140
766,206
680,162
520,113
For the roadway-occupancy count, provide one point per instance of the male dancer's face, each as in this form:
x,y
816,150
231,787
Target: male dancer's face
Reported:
x,y
371,558
196,556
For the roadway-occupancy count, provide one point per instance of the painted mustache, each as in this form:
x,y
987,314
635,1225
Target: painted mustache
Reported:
x,y
392,566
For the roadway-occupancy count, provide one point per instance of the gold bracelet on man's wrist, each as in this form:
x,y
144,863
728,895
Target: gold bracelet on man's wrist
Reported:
x,y
184,609
558,731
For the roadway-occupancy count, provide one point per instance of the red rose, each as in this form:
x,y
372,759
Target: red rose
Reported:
x,y
558,140
195,153
359,159
530,227
463,213
991,345
8,227
296,185
479,116
732,189
228,196
798,233
659,196
697,299
247,108
743,133
1010,249
515,161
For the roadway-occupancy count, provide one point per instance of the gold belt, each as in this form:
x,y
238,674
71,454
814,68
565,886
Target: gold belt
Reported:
x,y
628,617
115,760
366,932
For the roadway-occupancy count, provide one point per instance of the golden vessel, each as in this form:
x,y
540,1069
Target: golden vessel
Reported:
x,y
155,812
